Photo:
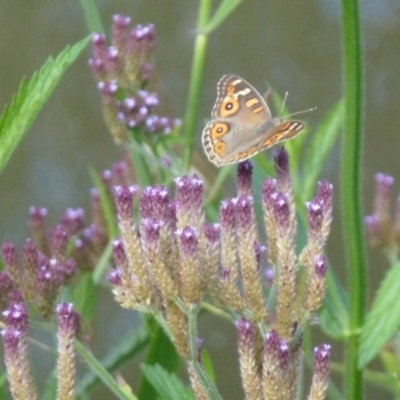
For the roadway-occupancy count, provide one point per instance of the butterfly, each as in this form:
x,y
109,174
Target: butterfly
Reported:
x,y
242,124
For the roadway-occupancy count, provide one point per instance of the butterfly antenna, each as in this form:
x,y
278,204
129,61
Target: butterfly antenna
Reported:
x,y
284,102
301,112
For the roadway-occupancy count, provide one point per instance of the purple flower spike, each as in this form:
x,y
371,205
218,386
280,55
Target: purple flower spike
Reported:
x,y
98,68
272,342
244,173
154,203
382,195
372,227
281,211
119,30
9,256
146,70
143,33
282,169
15,297
5,282
29,255
119,253
37,217
73,220
12,338
315,215
244,208
68,319
324,194
189,241
320,266
244,329
269,192
283,354
321,364
189,193
119,173
99,46
227,214
151,230
16,316
123,199
211,231
59,241
115,277
108,90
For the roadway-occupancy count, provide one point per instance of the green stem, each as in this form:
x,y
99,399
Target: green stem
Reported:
x,y
201,376
196,81
351,194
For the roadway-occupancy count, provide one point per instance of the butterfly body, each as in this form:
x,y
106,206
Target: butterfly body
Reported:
x,y
242,124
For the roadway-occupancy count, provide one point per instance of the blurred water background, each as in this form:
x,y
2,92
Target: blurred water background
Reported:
x,y
294,46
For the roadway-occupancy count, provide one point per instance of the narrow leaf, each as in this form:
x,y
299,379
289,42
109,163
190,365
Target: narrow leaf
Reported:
x,y
167,385
334,316
26,104
106,204
224,9
384,318
103,264
123,350
102,373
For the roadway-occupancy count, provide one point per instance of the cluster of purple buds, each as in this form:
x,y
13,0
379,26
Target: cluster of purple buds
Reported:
x,y
36,278
122,71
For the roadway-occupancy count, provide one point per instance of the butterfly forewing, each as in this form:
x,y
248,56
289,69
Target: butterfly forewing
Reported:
x,y
241,124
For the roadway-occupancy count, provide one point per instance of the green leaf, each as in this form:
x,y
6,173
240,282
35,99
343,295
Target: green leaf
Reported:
x,y
103,264
162,352
167,385
224,9
92,14
123,350
98,369
208,366
384,318
3,386
26,104
84,295
50,387
391,363
320,145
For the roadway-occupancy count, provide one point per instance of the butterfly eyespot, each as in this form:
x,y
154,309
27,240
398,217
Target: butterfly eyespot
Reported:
x,y
219,147
219,129
229,107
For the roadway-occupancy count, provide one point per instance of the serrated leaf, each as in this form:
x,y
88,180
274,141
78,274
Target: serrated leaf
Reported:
x,y
383,320
162,352
30,98
320,145
224,9
167,385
